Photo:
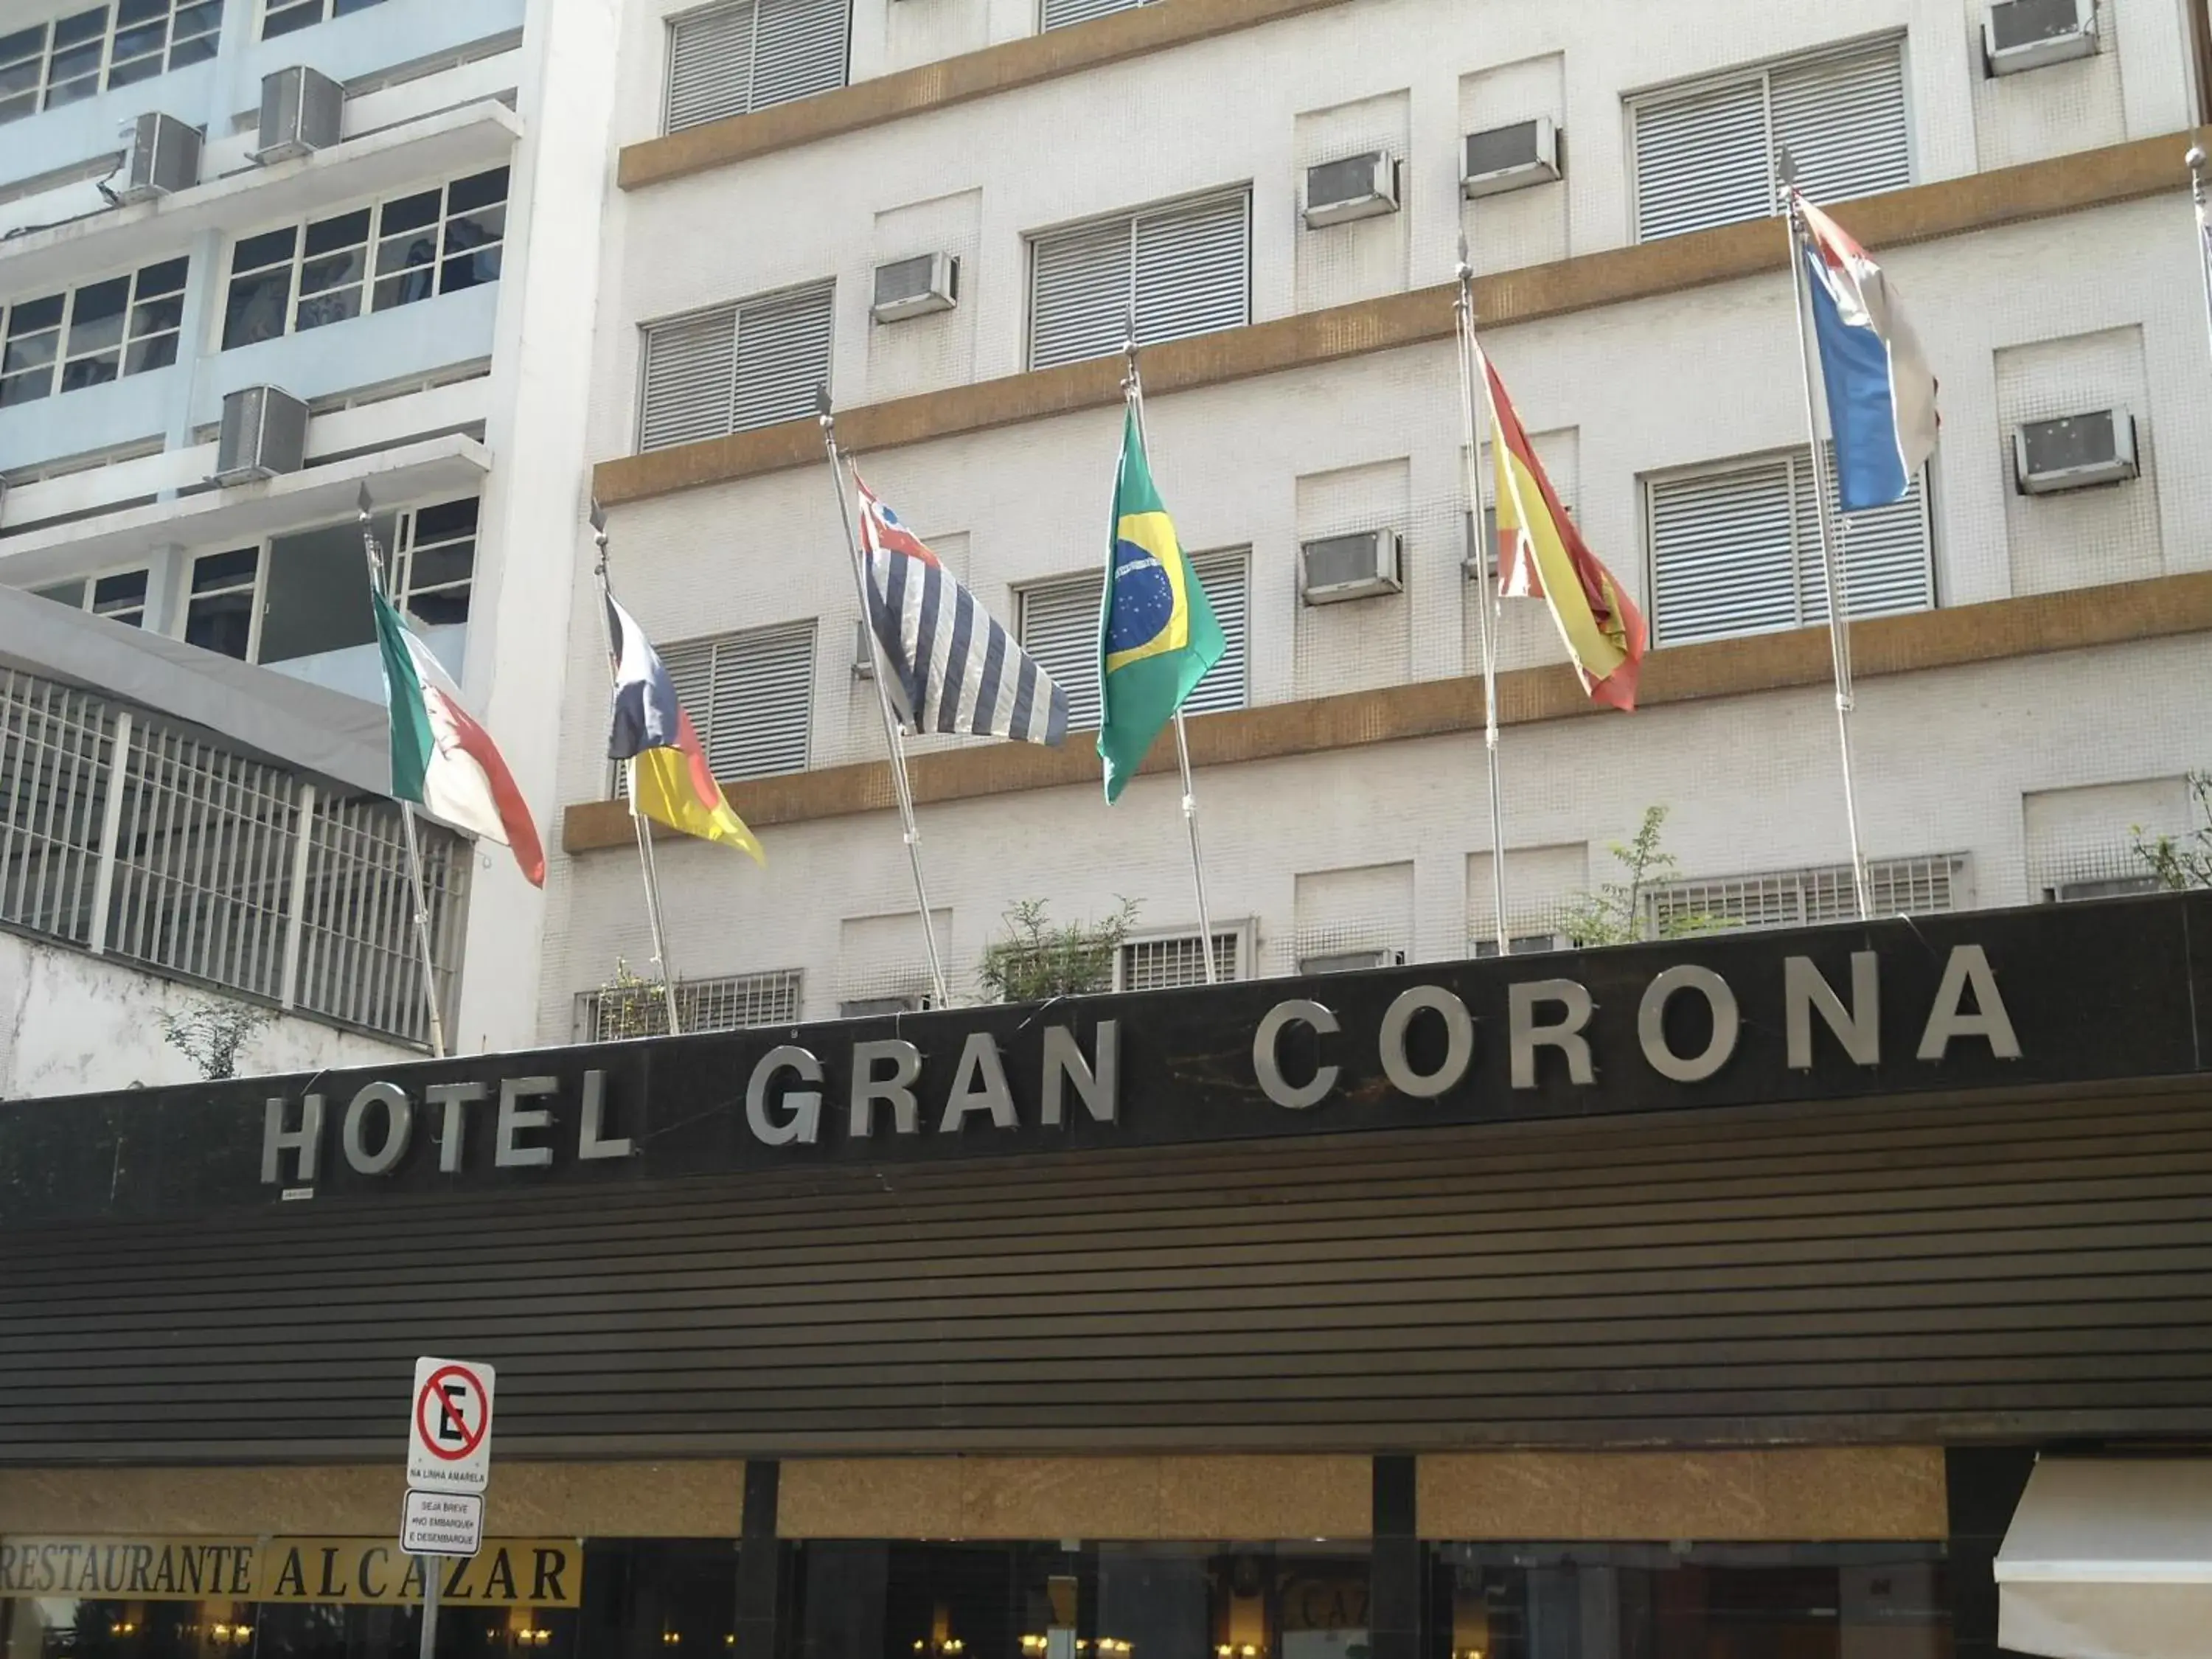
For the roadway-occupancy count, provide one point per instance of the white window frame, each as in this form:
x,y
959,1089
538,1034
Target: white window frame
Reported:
x,y
1241,935
38,97
91,580
326,11
1131,218
66,326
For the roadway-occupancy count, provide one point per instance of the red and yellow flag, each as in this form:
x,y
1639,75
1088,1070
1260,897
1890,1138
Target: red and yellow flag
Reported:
x,y
675,787
1540,556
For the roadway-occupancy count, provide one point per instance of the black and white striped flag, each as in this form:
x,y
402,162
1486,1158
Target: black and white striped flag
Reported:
x,y
953,668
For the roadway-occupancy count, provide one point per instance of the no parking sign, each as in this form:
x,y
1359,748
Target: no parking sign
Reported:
x,y
449,1428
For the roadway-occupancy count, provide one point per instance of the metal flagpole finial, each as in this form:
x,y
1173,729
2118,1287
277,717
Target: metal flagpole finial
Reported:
x,y
598,517
1464,271
364,504
2195,162
1130,381
824,412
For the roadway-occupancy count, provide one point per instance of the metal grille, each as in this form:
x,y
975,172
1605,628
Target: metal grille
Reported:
x,y
1178,269
1797,898
1058,626
734,367
751,695
735,1002
1157,964
727,60
152,843
1059,14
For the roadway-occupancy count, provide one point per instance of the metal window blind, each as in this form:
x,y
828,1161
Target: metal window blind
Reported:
x,y
1059,14
800,51
1800,898
1738,551
735,368
1707,154
1181,270
751,695
710,65
1160,964
1058,623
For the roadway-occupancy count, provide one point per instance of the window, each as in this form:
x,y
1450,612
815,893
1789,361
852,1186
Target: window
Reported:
x,y
1708,154
734,1003
121,597
283,16
1177,270
1058,626
50,64
93,334
1159,964
1801,898
371,259
734,367
751,695
1059,14
437,562
727,60
1522,945
1736,550
219,613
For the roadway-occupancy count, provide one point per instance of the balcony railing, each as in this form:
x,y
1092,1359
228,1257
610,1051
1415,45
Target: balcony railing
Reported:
x,y
144,840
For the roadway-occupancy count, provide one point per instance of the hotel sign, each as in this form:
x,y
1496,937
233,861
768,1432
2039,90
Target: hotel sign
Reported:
x,y
511,1573
2048,996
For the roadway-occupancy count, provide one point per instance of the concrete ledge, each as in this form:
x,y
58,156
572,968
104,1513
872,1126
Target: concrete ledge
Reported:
x,y
950,80
1952,207
2157,608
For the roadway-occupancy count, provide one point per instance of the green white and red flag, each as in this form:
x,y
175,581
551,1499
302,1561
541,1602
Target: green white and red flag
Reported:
x,y
441,760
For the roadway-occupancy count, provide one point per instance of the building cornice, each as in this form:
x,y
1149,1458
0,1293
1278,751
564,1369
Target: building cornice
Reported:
x,y
1003,68
1950,207
2157,608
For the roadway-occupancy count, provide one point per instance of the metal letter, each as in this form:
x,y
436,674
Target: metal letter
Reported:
x,y
978,1084
1969,965
398,1125
306,1141
1458,1041
1566,1034
1064,1063
897,1088
1859,1028
1651,1030
507,1153
1264,1062
806,1105
450,1098
592,1141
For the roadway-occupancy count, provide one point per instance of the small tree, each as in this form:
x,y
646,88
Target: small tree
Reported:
x,y
2185,861
210,1034
630,1005
1037,960
1614,913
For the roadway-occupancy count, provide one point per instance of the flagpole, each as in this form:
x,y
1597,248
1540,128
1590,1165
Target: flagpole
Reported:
x,y
1464,310
2195,158
901,785
1133,393
1839,621
415,888
648,866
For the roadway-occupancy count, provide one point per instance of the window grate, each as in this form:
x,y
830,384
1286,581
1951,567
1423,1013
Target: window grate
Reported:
x,y
1061,14
731,59
750,696
1058,626
734,367
1178,269
1159,964
1925,885
735,1002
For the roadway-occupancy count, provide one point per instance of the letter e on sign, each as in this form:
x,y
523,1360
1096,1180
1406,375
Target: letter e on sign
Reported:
x,y
449,1427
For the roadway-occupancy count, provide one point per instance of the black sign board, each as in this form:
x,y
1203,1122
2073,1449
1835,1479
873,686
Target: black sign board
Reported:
x,y
2051,995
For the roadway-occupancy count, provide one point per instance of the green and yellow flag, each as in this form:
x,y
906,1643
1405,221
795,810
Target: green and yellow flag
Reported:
x,y
1157,634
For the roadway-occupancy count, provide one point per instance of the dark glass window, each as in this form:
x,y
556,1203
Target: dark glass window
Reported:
x,y
260,288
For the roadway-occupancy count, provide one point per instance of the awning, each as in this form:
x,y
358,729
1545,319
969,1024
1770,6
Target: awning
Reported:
x,y
2110,1559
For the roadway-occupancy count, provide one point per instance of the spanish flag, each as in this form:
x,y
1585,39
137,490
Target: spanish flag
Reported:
x,y
1540,556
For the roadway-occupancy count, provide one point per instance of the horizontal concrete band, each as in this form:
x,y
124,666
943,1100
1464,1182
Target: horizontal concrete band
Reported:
x,y
1951,207
1795,1492
2155,608
1002,68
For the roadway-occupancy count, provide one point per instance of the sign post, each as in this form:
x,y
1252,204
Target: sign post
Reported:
x,y
448,1468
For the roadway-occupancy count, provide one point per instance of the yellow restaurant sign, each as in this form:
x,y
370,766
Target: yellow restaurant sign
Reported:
x,y
510,1572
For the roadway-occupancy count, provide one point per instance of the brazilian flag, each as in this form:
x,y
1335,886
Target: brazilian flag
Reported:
x,y
1157,634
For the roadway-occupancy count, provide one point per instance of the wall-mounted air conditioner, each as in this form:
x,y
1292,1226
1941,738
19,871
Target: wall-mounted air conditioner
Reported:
x,y
1352,567
301,112
164,156
863,651
915,286
1351,961
1512,157
1357,187
265,433
2075,451
2026,34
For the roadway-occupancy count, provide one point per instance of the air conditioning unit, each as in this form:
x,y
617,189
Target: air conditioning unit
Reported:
x,y
265,433
1510,158
164,156
301,112
2026,34
2075,451
863,651
1348,567
1357,187
915,286
1350,962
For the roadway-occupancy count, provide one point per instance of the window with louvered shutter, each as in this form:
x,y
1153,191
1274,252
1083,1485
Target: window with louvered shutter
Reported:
x,y
727,60
1737,551
1927,885
1058,623
1708,154
1181,270
735,368
1059,14
750,696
